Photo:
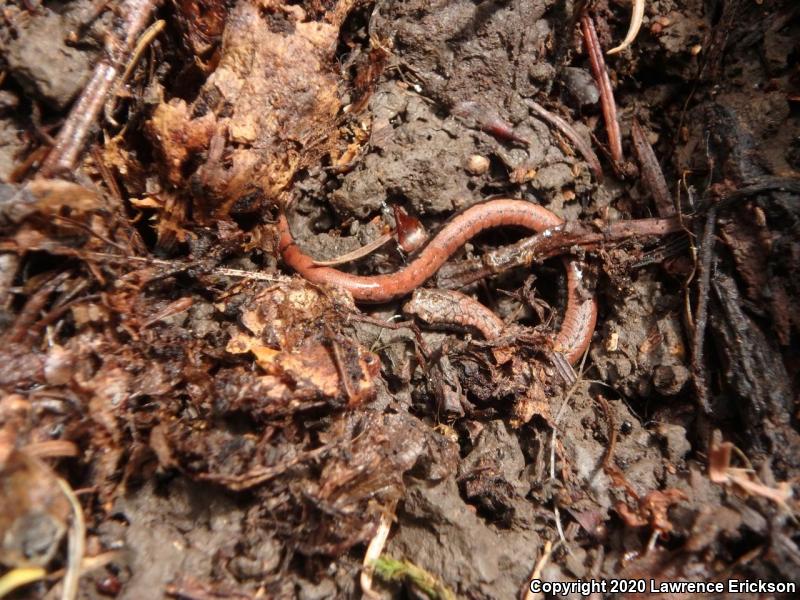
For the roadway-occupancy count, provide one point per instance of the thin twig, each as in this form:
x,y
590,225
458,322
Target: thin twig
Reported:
x,y
600,73
72,136
556,241
671,247
105,173
651,172
88,564
701,313
175,265
144,41
760,186
30,312
344,374
568,130
88,229
611,431
563,367
609,467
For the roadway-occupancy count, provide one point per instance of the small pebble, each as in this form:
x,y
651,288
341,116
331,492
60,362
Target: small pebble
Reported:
x,y
477,164
612,342
580,86
670,379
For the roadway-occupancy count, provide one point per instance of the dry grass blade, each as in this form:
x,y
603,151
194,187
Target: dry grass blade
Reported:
x,y
361,252
77,544
373,553
633,28
547,551
16,578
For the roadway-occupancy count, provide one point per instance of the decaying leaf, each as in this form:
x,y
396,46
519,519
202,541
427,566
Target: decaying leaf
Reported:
x,y
293,345
652,509
204,21
35,511
267,109
45,197
720,471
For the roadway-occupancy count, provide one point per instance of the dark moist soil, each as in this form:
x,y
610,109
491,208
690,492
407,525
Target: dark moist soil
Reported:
x,y
235,432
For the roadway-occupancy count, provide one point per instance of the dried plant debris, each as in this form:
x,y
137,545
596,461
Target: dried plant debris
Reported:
x,y
45,197
37,511
292,331
267,110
